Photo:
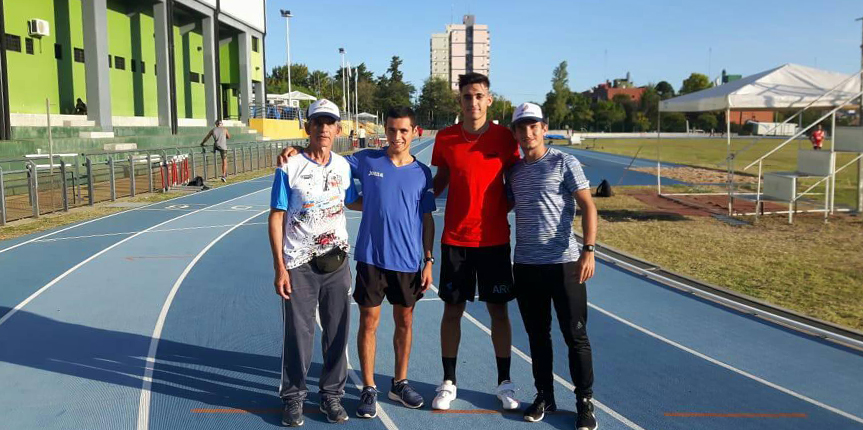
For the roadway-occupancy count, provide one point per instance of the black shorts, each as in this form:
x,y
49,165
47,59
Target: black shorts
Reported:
x,y
462,268
222,152
373,283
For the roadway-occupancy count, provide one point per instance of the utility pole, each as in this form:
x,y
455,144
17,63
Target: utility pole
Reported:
x,y
860,124
344,101
287,15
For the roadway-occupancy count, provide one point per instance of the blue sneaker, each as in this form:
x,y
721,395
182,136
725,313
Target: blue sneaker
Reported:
x,y
368,407
403,393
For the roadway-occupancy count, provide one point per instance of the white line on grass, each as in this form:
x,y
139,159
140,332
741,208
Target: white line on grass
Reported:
x,y
15,310
729,367
144,402
557,378
385,419
145,207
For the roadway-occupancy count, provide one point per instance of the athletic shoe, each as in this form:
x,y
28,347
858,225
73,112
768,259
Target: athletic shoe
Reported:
x,y
541,404
292,413
506,393
332,408
446,393
368,407
403,393
586,420
224,179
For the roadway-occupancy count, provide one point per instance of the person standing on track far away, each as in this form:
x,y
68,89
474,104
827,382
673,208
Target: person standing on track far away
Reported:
x,y
471,158
220,136
309,242
817,138
545,187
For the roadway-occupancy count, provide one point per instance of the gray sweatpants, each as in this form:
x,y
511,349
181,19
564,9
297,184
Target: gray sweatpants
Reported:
x,y
311,290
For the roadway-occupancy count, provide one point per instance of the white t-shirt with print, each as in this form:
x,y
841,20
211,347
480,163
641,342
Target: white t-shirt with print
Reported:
x,y
314,198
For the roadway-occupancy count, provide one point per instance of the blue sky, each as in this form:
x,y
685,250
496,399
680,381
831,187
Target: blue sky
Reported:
x,y
654,40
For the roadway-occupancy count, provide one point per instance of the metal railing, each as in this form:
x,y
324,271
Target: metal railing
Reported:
x,y
275,112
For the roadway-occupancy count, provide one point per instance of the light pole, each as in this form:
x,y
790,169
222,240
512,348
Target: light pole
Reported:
x,y
286,14
344,103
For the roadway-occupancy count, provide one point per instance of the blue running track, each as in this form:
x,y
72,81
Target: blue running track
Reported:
x,y
164,317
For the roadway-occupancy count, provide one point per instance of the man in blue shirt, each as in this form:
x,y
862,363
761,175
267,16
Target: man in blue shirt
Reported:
x,y
545,186
393,250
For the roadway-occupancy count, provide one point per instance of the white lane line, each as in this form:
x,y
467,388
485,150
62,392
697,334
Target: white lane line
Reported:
x,y
90,236
428,299
107,216
729,367
423,150
385,419
557,378
18,307
144,402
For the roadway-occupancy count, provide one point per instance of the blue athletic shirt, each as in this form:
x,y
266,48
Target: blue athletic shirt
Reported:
x,y
394,201
545,207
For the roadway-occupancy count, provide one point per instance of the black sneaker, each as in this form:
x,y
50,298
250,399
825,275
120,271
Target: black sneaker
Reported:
x,y
292,413
586,420
332,408
368,407
541,404
404,394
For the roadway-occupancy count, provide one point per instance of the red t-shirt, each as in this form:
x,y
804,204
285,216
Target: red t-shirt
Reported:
x,y
818,137
476,202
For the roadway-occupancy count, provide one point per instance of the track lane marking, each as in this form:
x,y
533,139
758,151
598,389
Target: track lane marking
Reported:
x,y
150,362
38,292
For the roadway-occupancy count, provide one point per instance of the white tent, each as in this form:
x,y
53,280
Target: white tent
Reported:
x,y
790,86
293,95
365,116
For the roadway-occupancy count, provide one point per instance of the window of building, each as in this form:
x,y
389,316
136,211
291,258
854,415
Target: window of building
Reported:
x,y
120,63
202,78
28,45
255,44
143,69
110,61
78,53
13,42
134,65
58,51
194,77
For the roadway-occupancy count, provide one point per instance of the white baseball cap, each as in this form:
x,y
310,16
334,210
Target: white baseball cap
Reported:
x,y
324,107
527,111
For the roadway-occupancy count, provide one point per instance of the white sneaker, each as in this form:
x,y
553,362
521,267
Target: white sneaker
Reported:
x,y
506,394
446,392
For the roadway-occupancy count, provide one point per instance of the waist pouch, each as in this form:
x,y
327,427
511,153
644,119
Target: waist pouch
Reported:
x,y
329,262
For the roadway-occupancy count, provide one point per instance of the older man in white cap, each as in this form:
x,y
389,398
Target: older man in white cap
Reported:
x,y
549,268
309,242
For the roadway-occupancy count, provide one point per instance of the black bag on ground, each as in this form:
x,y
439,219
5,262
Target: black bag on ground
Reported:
x,y
331,261
604,189
197,182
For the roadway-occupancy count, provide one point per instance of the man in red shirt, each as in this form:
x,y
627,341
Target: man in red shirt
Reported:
x,y
471,158
817,138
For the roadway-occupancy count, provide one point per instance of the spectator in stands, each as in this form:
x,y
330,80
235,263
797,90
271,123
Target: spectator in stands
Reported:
x,y
220,136
80,107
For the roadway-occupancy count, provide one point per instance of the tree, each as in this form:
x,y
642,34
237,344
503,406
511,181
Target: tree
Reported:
x,y
501,110
673,122
640,122
665,90
582,115
438,104
392,91
629,108
706,121
649,106
608,115
695,82
556,102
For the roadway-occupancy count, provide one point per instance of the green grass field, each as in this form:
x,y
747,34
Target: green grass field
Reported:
x,y
711,153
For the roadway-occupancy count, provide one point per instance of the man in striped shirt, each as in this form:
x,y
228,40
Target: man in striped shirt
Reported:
x,y
545,187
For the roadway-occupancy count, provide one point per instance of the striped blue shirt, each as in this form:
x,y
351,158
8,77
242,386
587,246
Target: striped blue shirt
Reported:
x,y
545,207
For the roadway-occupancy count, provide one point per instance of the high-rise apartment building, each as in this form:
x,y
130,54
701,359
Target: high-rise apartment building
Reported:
x,y
464,48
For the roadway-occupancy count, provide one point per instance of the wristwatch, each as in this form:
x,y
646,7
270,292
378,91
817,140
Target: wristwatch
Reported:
x,y
588,248
429,260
